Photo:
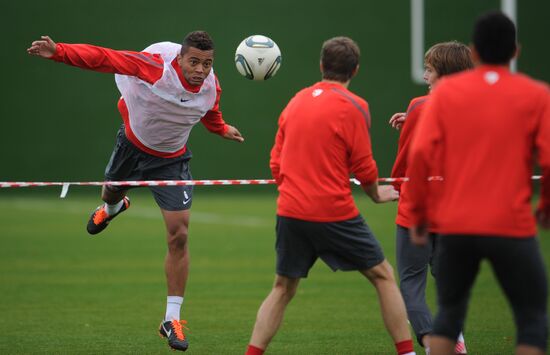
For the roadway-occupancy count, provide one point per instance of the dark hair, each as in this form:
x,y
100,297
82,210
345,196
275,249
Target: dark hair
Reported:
x,y
449,57
339,57
197,39
494,38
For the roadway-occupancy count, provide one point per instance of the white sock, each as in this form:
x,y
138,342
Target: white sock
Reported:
x,y
460,338
173,306
112,209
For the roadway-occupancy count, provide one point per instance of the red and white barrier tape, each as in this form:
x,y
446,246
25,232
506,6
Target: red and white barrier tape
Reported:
x,y
65,185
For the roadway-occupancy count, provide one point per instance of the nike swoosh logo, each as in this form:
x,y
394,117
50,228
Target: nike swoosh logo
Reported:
x,y
185,202
168,332
183,100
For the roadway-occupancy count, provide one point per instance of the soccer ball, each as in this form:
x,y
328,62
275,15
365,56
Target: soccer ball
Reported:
x,y
258,58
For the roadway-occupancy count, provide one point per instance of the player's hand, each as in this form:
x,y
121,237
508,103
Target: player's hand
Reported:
x,y
233,134
419,234
543,218
397,120
387,193
44,47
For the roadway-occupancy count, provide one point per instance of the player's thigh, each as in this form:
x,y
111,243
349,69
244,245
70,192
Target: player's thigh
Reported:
x,y
412,260
295,253
123,165
457,262
348,245
171,198
519,268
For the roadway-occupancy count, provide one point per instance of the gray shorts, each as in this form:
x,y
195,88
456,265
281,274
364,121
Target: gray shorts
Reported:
x,y
346,245
130,163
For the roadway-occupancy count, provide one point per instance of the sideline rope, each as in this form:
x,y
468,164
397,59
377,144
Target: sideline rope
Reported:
x,y
65,185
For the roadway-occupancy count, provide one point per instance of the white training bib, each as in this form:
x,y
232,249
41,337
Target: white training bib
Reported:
x,y
163,114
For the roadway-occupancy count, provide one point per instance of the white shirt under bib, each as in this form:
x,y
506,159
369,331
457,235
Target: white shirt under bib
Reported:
x,y
162,115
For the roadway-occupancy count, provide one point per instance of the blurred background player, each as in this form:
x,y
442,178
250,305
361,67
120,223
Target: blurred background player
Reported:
x,y
166,89
486,126
323,136
413,261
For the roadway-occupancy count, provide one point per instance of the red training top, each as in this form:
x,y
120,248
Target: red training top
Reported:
x,y
147,67
399,169
486,125
323,136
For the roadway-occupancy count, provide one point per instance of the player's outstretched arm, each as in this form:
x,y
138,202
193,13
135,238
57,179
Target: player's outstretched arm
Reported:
x,y
397,120
44,47
233,134
381,194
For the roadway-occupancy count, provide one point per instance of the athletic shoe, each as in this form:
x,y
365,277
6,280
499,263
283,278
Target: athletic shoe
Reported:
x,y
99,220
460,347
173,331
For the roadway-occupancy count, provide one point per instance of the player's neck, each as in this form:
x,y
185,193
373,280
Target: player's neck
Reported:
x,y
346,84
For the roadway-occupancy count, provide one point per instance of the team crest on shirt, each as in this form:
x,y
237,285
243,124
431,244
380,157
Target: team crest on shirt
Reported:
x,y
317,92
491,77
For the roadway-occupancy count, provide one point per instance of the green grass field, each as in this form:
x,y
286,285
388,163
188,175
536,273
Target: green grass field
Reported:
x,y
64,292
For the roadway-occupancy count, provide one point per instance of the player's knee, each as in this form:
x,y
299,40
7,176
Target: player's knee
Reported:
x,y
285,290
177,239
532,327
382,272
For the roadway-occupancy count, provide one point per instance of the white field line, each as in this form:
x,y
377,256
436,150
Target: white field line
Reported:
x,y
152,213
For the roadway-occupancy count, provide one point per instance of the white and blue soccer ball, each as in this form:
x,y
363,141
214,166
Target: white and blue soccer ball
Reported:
x,y
258,58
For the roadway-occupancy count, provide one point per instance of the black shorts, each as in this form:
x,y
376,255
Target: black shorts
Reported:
x,y
519,268
130,163
346,245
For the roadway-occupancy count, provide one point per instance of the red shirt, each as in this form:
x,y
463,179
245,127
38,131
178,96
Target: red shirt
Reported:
x,y
323,136
486,124
147,67
400,170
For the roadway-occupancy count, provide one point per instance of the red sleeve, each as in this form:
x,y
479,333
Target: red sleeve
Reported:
x,y
146,66
213,120
424,143
542,142
275,161
400,165
356,134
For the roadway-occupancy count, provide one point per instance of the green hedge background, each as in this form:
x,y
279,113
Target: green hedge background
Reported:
x,y
59,122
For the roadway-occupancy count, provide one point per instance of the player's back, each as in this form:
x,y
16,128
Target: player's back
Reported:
x,y
325,129
489,117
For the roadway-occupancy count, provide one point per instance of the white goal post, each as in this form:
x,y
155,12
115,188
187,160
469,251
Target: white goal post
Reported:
x,y
509,7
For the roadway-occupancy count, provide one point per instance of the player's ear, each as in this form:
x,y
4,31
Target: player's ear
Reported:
x,y
475,55
321,68
517,52
355,71
179,59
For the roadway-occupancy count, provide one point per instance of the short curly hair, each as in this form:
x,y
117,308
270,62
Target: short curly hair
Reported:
x,y
197,39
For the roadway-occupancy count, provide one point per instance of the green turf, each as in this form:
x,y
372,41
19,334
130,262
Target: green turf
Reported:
x,y
64,292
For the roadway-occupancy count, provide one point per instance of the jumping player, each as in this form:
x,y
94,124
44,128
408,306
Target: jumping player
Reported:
x,y
166,89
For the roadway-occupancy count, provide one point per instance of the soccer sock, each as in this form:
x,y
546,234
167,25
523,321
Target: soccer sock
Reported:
x,y
405,347
460,347
112,209
173,306
252,350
